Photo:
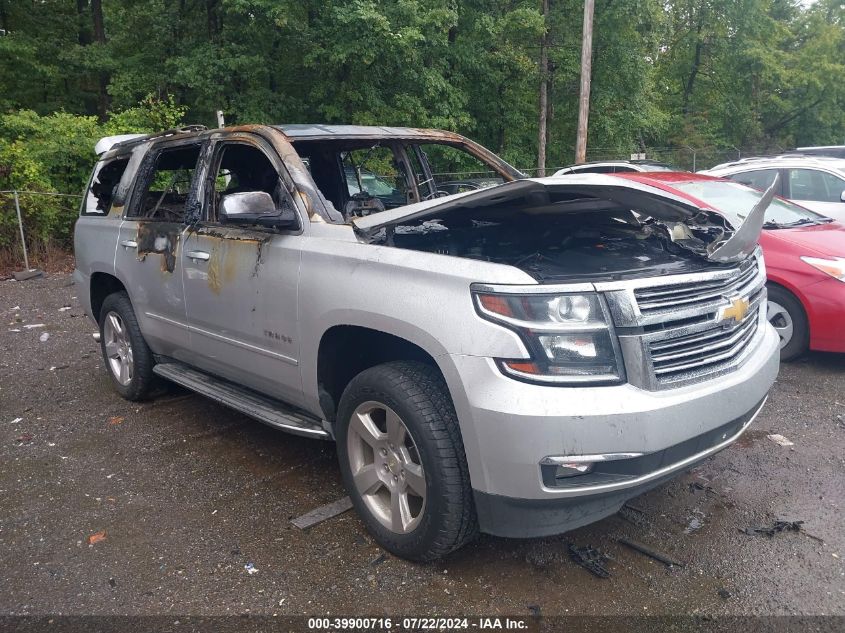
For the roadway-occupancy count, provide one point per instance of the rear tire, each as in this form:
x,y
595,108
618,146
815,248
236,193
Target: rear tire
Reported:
x,y
380,461
127,357
787,315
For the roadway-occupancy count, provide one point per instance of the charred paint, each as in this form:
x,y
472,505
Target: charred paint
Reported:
x,y
233,254
159,238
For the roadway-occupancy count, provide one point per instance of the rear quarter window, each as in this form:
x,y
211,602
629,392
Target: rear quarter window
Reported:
x,y
100,195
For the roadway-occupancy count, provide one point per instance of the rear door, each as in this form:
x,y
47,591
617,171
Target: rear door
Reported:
x,y
152,234
817,190
241,281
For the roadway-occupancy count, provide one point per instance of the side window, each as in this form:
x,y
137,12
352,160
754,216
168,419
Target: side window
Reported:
x,y
811,184
165,193
761,179
245,168
373,171
621,169
599,169
452,167
100,195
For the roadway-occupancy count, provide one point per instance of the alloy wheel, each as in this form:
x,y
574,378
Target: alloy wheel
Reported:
x,y
386,467
779,317
118,348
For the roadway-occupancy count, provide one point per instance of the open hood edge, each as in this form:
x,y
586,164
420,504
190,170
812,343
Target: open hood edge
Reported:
x,y
535,193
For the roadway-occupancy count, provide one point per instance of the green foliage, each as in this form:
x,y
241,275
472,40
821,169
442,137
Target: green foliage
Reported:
x,y
703,75
54,153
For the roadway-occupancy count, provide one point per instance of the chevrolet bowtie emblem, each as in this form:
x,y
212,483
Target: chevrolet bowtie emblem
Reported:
x,y
736,311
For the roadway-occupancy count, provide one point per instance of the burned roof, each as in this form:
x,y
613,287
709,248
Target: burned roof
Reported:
x,y
308,131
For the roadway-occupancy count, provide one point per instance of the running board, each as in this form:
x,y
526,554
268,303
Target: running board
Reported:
x,y
267,410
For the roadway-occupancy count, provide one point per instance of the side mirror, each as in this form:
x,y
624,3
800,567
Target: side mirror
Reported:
x,y
842,196
255,207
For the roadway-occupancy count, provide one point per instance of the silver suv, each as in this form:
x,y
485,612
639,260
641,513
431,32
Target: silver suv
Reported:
x,y
519,359
815,182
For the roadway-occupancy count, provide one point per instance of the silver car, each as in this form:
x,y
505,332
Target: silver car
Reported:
x,y
814,182
518,360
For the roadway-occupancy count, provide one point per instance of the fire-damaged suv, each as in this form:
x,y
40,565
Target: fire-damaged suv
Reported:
x,y
520,358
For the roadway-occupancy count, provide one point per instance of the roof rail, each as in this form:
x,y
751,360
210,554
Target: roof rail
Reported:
x,y
185,129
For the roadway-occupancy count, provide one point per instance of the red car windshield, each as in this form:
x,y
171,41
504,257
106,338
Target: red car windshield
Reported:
x,y
735,201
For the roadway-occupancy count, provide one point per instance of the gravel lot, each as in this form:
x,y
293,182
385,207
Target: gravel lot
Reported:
x,y
188,493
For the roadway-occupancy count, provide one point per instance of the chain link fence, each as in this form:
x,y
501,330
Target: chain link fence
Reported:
x,y
15,210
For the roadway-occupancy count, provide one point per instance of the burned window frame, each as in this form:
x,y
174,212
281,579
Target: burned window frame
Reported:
x,y
147,170
207,213
89,193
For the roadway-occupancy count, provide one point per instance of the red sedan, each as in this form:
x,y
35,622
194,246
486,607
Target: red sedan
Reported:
x,y
804,254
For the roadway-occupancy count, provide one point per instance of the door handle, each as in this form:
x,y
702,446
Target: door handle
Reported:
x,y
129,244
197,255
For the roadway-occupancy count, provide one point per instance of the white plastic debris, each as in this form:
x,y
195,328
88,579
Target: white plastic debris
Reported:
x,y
32,326
16,420
17,329
44,337
780,440
250,569
16,308
65,309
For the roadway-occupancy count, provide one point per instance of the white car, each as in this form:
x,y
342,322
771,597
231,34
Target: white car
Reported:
x,y
814,182
614,167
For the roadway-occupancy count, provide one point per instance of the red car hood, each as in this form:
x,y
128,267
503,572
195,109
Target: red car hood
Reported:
x,y
821,239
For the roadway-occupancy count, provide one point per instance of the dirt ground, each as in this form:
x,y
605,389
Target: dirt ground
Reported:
x,y
110,507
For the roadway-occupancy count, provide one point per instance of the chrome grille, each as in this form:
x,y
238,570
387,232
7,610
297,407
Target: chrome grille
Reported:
x,y
700,352
676,330
672,297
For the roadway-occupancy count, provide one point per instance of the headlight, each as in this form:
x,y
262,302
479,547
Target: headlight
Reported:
x,y
833,266
568,336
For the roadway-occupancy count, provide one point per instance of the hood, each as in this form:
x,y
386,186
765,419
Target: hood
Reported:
x,y
702,231
821,239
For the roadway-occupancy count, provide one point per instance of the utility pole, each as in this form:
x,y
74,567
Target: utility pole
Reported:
x,y
586,71
544,93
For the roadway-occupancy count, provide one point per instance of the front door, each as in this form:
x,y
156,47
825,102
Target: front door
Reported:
x,y
150,241
241,281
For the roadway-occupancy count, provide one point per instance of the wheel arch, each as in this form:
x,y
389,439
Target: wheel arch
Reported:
x,y
102,284
345,350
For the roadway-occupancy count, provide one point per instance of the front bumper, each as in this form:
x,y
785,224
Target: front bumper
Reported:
x,y
509,426
825,303
524,518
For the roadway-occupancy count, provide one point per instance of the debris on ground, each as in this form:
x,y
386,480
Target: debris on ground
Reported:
x,y
44,337
633,515
96,537
64,309
116,420
590,559
644,549
318,515
378,560
774,528
24,438
534,610
251,569
724,594
696,485
780,440
696,522
32,326
16,420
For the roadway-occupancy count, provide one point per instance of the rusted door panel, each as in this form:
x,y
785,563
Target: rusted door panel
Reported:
x,y
240,290
148,260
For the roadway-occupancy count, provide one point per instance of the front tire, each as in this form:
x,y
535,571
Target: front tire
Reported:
x,y
787,315
402,460
127,357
